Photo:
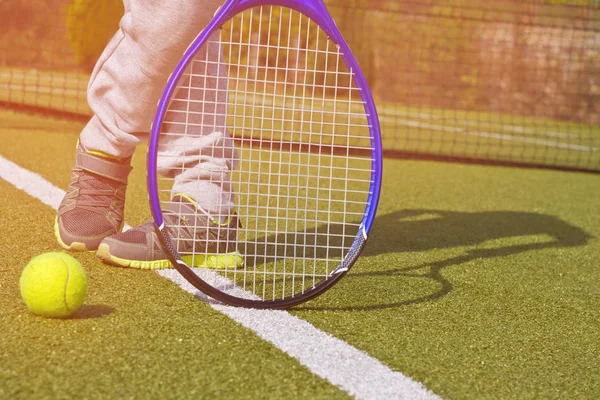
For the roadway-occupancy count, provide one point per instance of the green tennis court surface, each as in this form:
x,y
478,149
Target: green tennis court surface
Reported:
x,y
477,281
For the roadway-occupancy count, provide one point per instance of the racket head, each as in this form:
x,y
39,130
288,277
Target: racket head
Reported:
x,y
280,241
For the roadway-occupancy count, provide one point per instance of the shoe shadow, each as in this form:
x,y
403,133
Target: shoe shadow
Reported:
x,y
90,311
422,230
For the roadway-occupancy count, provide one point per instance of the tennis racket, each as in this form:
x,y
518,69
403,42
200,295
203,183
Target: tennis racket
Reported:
x,y
269,117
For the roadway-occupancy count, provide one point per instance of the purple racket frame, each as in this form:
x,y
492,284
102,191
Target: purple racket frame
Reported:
x,y
317,11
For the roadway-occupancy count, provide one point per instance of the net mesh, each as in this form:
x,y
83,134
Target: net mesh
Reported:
x,y
503,81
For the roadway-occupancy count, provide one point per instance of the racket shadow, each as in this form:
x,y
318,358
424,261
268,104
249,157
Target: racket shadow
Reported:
x,y
422,231
290,263
322,242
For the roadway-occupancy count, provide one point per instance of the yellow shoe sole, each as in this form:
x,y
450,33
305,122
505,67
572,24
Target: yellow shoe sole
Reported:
x,y
75,246
229,260
215,261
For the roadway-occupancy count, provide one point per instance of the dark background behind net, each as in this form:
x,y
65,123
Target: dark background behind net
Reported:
x,y
501,81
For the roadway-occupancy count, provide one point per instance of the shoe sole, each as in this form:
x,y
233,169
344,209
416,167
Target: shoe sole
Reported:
x,y
75,246
229,260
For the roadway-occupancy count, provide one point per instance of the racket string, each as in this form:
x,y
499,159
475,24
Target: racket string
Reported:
x,y
273,81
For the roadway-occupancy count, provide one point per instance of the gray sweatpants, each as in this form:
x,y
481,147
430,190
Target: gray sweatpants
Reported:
x,y
128,81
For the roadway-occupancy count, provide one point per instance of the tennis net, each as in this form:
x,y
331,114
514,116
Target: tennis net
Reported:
x,y
514,82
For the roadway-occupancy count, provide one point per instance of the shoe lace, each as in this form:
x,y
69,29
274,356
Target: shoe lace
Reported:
x,y
97,193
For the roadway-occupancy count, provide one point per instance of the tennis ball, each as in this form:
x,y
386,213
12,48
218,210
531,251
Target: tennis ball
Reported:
x,y
53,285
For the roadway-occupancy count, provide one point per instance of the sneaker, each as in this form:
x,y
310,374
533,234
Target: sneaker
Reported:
x,y
200,240
93,206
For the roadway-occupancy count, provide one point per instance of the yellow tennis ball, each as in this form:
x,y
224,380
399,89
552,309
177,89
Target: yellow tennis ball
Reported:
x,y
53,285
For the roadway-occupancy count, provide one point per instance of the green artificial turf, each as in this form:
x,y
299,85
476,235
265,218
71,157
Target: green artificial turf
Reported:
x,y
478,281
138,335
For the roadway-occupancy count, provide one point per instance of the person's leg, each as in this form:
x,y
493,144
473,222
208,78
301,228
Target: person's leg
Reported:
x,y
199,162
123,91
195,148
131,74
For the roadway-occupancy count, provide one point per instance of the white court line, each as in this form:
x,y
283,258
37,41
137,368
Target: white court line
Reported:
x,y
499,136
350,369
33,184
385,113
